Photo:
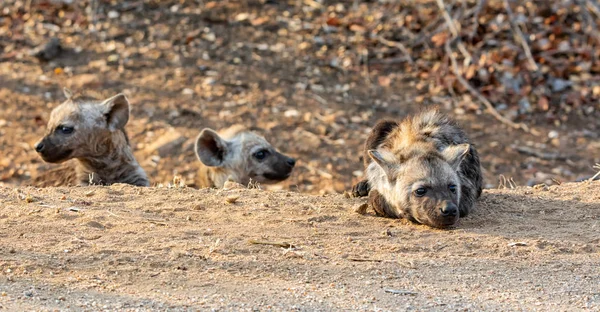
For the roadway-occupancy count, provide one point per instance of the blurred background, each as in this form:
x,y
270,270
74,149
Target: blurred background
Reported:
x,y
522,78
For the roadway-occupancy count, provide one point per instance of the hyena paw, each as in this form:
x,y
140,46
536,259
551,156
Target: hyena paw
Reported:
x,y
361,189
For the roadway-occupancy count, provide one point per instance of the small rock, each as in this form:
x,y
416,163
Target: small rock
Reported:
x,y
362,208
231,199
49,51
112,59
524,106
232,185
559,85
291,113
113,14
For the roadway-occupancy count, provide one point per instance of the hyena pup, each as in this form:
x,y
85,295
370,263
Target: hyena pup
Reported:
x,y
423,169
239,155
92,132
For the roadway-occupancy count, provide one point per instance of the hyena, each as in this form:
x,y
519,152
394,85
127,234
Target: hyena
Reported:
x,y
239,155
423,169
93,133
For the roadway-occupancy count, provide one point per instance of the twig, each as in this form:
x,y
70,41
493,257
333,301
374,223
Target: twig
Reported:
x,y
313,4
452,26
538,154
369,260
113,214
398,45
594,7
480,5
318,98
597,167
448,18
278,244
481,98
513,23
515,244
400,292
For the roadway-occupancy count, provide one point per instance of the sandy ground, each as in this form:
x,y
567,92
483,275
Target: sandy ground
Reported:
x,y
124,248
185,66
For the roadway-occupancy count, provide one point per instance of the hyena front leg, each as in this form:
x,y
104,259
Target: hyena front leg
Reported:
x,y
361,189
381,206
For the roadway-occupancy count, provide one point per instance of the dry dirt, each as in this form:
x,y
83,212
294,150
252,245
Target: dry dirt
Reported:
x,y
123,248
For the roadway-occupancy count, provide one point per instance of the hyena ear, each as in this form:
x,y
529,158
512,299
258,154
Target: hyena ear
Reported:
x,y
116,110
211,148
383,159
455,154
68,93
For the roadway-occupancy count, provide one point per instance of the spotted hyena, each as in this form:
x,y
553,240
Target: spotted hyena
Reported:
x,y
92,132
239,155
423,169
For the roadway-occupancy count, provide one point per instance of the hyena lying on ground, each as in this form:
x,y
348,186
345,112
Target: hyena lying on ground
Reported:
x,y
92,132
422,169
241,156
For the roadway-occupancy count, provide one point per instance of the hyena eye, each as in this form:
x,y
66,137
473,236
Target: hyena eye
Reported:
x,y
420,192
452,188
260,155
65,129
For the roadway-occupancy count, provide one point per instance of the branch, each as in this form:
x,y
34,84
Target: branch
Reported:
x,y
449,20
454,31
480,97
398,45
513,23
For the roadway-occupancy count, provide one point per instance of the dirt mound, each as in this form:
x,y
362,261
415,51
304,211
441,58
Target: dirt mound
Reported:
x,y
122,247
314,76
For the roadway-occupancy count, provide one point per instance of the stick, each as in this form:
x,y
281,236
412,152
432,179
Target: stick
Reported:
x,y
398,45
369,260
597,166
364,260
454,31
449,20
538,154
478,8
592,5
511,19
278,244
481,98
400,292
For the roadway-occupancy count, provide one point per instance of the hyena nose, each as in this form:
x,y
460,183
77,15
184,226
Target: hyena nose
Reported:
x,y
291,162
449,211
39,147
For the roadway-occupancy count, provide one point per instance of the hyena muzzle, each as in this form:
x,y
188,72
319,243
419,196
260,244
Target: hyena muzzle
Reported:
x,y
240,155
92,132
423,169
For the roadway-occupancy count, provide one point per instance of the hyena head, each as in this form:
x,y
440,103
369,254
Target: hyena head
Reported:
x,y
242,155
82,127
423,186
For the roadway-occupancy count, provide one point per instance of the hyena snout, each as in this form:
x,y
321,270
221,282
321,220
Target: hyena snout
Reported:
x,y
449,210
291,162
39,146
281,168
50,152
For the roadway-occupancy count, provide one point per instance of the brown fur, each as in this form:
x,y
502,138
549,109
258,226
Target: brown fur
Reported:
x,y
92,133
234,153
425,154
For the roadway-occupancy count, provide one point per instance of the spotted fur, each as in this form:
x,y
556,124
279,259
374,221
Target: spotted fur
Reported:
x,y
92,132
426,154
239,155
